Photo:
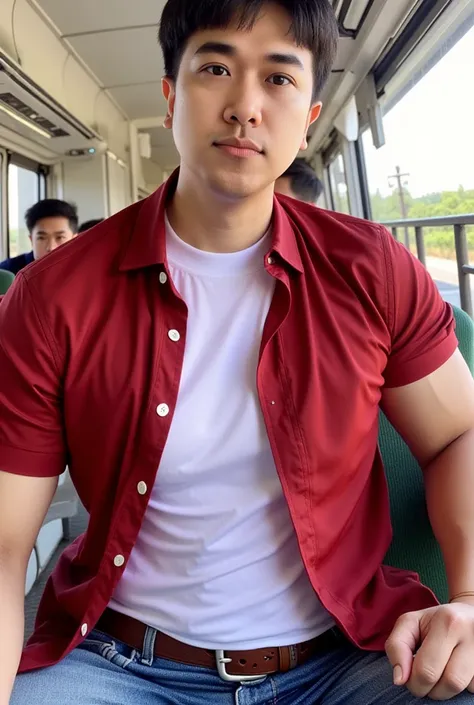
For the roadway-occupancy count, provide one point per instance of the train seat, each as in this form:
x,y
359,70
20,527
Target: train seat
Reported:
x,y
6,280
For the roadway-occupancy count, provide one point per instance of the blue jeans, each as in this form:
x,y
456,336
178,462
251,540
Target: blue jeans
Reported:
x,y
104,672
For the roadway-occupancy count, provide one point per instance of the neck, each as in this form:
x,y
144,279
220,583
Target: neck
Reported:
x,y
215,223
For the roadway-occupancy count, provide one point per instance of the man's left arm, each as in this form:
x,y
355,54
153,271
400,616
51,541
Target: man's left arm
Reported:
x,y
432,651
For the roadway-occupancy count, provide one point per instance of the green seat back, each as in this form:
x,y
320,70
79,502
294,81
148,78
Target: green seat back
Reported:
x,y
6,279
414,546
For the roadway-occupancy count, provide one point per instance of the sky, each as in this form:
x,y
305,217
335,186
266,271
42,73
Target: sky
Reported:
x,y
430,132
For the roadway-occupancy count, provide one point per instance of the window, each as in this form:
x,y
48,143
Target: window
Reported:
x,y
429,136
26,185
338,181
22,193
42,176
425,169
426,166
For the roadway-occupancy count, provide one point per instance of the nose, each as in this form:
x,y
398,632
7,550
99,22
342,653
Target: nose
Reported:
x,y
244,107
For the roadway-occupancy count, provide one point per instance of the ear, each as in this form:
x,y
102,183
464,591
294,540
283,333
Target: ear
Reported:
x,y
169,93
29,235
314,113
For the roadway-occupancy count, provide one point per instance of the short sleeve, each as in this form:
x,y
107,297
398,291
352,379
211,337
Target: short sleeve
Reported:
x,y
31,420
421,324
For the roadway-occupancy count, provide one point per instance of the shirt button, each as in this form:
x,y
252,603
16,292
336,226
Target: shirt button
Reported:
x,y
270,260
163,410
119,561
84,629
174,335
163,278
142,488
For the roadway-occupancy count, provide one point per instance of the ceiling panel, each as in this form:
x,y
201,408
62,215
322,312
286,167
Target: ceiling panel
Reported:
x,y
121,58
73,16
141,101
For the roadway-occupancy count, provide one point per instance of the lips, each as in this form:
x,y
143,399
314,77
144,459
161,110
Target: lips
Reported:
x,y
239,147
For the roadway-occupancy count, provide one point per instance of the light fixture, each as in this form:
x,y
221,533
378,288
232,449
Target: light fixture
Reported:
x,y
354,14
24,121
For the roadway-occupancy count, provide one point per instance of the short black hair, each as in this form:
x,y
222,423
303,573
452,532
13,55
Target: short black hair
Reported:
x,y
304,182
52,208
89,224
314,26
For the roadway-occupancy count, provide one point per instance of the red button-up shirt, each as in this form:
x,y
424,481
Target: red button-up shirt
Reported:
x,y
86,365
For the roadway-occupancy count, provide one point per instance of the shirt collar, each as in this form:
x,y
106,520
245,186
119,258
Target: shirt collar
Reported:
x,y
147,244
284,237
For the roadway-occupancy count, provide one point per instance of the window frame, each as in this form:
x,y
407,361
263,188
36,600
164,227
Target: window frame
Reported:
x,y
42,172
4,204
335,157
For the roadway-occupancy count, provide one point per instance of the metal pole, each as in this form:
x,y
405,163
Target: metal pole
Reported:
x,y
407,238
395,233
462,259
420,245
398,176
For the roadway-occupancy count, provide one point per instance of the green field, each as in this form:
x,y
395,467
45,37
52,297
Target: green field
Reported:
x,y
439,242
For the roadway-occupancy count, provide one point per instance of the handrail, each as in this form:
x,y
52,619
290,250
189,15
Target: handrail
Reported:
x,y
458,223
437,222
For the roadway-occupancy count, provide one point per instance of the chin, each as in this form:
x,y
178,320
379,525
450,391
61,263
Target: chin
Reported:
x,y
236,186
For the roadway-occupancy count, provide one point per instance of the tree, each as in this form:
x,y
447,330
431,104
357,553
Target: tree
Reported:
x,y
438,241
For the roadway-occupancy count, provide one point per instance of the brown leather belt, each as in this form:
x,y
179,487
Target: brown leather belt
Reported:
x,y
231,665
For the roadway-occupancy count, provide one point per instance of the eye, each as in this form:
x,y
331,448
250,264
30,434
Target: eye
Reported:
x,y
280,80
217,70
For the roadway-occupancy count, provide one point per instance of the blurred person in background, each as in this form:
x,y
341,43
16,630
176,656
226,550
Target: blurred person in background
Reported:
x,y
50,224
90,224
300,181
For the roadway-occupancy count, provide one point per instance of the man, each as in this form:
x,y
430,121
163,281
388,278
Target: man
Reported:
x,y
90,224
239,346
50,224
299,181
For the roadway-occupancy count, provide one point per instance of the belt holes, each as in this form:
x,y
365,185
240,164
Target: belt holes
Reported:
x,y
254,665
243,661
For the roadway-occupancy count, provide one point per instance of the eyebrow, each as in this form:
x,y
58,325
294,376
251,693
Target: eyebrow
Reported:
x,y
45,232
229,50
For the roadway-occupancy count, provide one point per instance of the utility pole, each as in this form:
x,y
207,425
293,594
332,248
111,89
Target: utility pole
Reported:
x,y
401,195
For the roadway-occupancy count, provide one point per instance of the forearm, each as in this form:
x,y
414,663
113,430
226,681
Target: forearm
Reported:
x,y
449,482
12,590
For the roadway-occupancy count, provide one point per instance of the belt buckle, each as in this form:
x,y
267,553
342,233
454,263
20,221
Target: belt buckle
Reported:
x,y
222,662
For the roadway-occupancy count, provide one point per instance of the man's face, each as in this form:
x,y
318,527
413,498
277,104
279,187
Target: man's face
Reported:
x,y
237,86
48,234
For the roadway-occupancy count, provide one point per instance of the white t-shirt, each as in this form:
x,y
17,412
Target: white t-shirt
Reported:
x,y
217,563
